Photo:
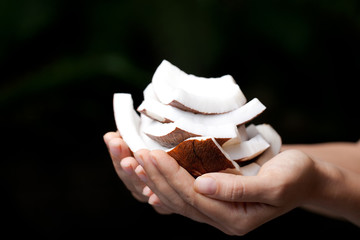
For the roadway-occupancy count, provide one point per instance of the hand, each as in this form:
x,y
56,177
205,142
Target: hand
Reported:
x,y
125,166
232,203
238,204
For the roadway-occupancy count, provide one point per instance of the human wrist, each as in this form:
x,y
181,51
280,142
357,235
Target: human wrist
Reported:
x,y
325,179
334,192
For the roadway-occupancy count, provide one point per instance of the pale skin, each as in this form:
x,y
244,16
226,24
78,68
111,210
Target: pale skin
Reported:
x,y
320,177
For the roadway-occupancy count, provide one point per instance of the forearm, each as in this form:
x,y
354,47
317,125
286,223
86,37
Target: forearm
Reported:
x,y
336,193
342,154
338,167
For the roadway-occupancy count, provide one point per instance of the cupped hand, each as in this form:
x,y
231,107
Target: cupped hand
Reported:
x,y
125,166
232,203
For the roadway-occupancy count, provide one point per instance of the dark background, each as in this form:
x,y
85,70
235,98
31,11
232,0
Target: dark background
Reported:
x,y
61,61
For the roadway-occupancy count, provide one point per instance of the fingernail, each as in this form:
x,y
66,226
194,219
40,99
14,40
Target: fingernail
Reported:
x,y
115,148
205,185
154,200
126,167
146,191
139,159
141,174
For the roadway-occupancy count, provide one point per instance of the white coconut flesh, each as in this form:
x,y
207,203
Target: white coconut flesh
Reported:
x,y
171,134
127,121
241,136
131,129
247,150
198,94
166,113
203,131
271,136
151,144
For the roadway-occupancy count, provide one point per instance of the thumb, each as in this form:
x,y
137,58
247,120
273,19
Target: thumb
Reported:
x,y
232,188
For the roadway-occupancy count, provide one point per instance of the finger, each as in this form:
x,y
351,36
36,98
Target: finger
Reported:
x,y
139,197
128,165
159,207
110,135
140,172
118,152
165,193
181,182
155,201
163,210
231,217
147,191
248,194
149,175
118,149
130,179
129,175
176,176
233,188
124,164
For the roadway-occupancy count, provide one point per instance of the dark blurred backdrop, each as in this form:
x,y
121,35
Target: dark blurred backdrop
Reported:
x,y
61,61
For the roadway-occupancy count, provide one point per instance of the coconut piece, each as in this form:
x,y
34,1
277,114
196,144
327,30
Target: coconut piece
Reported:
x,y
271,136
149,92
242,132
154,109
168,135
201,155
252,130
170,138
196,94
171,134
241,136
247,150
151,144
127,121
250,170
150,98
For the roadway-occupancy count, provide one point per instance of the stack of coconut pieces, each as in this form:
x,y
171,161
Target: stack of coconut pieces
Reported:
x,y
198,121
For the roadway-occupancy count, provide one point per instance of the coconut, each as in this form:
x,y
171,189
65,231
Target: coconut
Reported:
x,y
196,94
201,155
156,110
128,121
200,122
